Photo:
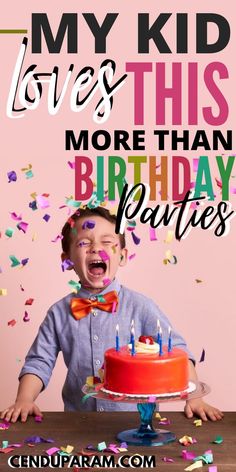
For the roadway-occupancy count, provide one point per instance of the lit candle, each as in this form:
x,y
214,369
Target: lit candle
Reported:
x,y
169,341
132,341
158,331
160,344
117,338
131,326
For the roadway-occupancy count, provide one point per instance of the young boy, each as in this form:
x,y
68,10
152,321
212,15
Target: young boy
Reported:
x,y
82,327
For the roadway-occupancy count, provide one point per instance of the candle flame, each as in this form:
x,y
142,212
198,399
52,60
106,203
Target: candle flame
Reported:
x,y
117,329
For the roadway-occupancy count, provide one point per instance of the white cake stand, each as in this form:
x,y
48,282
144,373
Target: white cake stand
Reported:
x,y
146,434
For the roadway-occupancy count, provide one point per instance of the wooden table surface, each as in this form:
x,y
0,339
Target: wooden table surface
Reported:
x,y
81,429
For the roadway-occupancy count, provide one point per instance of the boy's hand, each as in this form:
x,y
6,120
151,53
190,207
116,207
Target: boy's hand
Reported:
x,y
203,410
20,409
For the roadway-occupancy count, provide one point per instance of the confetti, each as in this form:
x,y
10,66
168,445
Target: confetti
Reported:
x,y
26,317
197,422
67,264
71,164
188,455
29,301
104,256
169,237
4,425
25,261
199,281
38,419
187,440
37,440
89,224
42,201
22,226
9,232
202,357
167,459
15,217
101,446
52,450
12,177
131,256
193,466
218,440
3,292
46,217
212,468
14,260
76,286
11,323
207,457
106,281
59,237
136,240
68,449
152,234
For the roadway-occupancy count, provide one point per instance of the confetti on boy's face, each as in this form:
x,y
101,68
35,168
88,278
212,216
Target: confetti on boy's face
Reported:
x,y
92,252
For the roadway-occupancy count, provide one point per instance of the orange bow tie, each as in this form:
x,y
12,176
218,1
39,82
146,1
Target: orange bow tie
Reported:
x,y
81,307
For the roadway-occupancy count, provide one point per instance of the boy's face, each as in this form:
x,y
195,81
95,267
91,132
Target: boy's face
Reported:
x,y
96,252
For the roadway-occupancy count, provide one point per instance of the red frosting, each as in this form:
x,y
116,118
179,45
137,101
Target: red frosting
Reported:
x,y
145,373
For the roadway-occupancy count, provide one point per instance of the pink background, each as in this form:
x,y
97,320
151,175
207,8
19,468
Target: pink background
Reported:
x,y
203,312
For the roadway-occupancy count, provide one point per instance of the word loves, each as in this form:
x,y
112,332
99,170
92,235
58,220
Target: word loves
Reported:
x,y
217,217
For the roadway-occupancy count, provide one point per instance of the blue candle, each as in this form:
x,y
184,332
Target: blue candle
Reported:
x,y
169,341
117,338
160,344
131,327
132,342
158,331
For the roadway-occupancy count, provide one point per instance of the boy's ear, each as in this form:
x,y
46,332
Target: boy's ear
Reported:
x,y
123,257
65,256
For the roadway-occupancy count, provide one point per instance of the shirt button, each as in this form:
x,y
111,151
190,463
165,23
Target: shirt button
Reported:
x,y
94,312
97,362
95,338
101,408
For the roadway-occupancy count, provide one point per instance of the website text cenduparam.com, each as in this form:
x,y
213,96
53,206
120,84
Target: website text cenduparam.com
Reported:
x,y
58,461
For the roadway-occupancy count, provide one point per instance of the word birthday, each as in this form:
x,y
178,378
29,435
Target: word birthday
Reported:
x,y
158,174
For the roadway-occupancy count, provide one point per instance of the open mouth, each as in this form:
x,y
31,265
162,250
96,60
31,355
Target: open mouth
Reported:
x,y
97,268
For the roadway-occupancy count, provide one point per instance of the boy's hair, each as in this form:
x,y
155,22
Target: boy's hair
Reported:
x,y
86,212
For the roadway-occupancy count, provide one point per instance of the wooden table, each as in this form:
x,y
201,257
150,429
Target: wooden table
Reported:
x,y
81,429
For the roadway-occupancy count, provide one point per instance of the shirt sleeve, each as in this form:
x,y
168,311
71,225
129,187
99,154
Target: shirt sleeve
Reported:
x,y
43,353
151,327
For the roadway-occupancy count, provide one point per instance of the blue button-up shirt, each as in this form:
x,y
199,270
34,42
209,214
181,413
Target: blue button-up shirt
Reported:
x,y
83,342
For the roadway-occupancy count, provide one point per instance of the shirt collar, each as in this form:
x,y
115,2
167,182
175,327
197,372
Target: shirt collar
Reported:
x,y
114,285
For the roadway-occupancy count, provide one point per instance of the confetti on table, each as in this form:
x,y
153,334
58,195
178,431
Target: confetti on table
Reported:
x,y
89,224
37,440
68,449
197,422
193,466
11,323
12,177
202,357
187,440
4,425
136,239
6,450
52,450
38,419
188,455
101,446
167,459
29,301
9,232
218,440
206,458
3,292
212,468
164,421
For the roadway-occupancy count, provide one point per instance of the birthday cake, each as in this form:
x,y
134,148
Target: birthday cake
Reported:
x,y
147,372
